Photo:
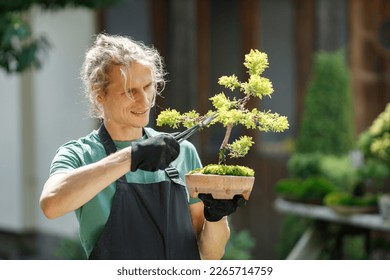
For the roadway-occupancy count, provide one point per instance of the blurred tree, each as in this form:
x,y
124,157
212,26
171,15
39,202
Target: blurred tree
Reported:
x,y
327,125
19,49
325,138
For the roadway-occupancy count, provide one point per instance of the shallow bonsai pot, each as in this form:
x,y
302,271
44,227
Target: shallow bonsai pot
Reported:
x,y
220,186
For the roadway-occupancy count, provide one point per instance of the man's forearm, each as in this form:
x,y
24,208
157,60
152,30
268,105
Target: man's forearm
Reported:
x,y
63,193
213,239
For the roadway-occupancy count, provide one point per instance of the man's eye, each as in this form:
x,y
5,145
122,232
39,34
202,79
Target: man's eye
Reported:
x,y
128,94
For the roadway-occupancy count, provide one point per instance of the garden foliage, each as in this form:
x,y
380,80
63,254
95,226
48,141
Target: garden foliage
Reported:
x,y
327,124
19,48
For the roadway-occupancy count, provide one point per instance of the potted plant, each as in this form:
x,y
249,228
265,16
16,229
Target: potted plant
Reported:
x,y
374,143
311,190
348,203
224,181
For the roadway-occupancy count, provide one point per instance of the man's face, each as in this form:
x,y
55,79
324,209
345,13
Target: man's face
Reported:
x,y
128,103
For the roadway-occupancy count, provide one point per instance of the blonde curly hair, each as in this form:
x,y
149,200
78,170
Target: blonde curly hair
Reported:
x,y
114,50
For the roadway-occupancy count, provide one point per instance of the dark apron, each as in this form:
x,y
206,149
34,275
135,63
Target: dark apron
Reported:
x,y
147,221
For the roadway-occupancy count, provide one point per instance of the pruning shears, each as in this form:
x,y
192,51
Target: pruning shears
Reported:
x,y
181,136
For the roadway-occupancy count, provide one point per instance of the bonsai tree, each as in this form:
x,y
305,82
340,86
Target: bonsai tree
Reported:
x,y
232,111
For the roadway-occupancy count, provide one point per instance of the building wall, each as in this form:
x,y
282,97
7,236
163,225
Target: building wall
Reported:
x,y
10,159
277,40
130,18
61,112
44,109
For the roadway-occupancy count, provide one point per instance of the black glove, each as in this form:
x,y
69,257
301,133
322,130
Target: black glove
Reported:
x,y
215,209
154,153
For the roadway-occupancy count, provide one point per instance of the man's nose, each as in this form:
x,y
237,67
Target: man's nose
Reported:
x,y
142,97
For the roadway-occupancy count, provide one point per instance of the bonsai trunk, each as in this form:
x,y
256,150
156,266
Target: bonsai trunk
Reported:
x,y
223,149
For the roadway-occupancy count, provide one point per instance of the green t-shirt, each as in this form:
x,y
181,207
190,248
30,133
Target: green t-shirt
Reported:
x,y
94,214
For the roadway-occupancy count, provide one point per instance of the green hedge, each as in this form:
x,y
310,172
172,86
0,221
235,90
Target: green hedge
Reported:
x,y
312,189
327,125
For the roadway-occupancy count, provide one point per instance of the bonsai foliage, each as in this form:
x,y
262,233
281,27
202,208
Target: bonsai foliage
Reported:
x,y
232,111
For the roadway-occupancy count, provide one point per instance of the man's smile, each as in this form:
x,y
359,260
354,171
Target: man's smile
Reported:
x,y
139,112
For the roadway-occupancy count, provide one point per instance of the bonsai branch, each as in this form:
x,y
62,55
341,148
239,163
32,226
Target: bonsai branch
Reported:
x,y
224,146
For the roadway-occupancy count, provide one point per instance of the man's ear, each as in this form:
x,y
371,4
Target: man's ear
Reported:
x,y
100,98
99,95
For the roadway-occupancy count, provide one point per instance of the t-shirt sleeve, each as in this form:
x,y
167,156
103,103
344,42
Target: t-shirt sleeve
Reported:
x,y
67,157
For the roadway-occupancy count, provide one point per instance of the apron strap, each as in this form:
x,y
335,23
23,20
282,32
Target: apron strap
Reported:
x,y
106,139
173,175
108,145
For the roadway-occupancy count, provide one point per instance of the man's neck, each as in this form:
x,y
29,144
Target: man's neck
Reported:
x,y
122,132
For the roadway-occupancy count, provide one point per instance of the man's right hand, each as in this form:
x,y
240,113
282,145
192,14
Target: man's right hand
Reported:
x,y
154,153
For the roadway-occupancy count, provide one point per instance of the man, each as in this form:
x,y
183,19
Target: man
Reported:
x,y
124,181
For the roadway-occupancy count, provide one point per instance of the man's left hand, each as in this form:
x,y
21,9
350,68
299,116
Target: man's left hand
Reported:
x,y
216,209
